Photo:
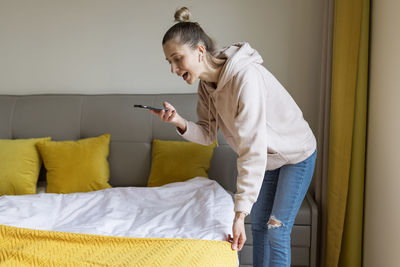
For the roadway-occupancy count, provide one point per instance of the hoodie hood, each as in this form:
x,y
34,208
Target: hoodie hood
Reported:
x,y
237,56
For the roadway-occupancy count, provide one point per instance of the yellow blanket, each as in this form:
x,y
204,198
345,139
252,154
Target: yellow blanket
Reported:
x,y
27,247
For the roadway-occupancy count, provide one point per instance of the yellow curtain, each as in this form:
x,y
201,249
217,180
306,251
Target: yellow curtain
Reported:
x,y
347,141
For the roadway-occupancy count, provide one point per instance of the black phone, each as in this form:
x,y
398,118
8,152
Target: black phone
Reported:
x,y
149,107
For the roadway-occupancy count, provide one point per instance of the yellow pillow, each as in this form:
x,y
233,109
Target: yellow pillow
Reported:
x,y
178,161
20,164
76,166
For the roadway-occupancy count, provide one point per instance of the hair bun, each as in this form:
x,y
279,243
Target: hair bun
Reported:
x,y
182,15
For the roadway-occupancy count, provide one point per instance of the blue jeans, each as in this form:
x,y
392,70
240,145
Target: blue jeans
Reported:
x,y
280,198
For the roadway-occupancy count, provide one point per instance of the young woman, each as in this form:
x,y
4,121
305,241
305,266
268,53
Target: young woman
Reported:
x,y
259,120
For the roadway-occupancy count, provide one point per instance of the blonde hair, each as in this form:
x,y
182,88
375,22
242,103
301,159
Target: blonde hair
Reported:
x,y
182,15
190,33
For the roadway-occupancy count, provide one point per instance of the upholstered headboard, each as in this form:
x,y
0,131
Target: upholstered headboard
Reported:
x,y
75,116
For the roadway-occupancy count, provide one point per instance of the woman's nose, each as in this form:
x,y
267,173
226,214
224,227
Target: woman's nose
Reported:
x,y
173,68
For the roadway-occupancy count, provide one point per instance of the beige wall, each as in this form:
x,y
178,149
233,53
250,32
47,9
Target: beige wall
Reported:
x,y
382,210
103,46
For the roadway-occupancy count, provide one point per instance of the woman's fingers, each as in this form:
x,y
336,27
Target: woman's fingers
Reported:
x,y
241,241
235,242
172,116
166,116
168,106
238,241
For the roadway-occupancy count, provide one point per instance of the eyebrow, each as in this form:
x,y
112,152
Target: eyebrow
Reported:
x,y
170,55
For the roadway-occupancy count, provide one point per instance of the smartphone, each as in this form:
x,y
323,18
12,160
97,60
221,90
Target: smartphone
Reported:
x,y
149,107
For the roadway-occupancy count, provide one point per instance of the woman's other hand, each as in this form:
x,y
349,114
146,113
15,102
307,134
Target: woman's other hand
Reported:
x,y
171,116
239,234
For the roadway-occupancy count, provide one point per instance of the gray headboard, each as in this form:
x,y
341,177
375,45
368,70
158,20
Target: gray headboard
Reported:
x,y
75,116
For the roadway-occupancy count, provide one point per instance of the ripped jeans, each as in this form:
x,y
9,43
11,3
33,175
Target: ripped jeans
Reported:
x,y
273,214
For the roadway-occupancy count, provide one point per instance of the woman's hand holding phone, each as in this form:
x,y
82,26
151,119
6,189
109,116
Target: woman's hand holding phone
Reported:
x,y
171,116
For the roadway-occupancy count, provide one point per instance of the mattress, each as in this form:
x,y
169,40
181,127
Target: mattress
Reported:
x,y
199,208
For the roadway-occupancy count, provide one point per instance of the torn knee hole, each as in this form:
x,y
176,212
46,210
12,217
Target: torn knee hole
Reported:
x,y
274,223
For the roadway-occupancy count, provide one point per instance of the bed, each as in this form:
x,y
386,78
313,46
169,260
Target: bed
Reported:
x,y
179,224
114,226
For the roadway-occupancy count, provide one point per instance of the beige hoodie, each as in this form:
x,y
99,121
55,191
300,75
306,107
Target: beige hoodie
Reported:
x,y
256,115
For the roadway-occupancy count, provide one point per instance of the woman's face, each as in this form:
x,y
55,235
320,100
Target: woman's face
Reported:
x,y
184,60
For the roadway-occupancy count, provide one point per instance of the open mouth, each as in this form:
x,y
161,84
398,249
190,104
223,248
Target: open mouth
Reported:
x,y
185,75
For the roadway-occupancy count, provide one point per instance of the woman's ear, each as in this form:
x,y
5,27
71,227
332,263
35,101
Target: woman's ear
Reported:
x,y
201,48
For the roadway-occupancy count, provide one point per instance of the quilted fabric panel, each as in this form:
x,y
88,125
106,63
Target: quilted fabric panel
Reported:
x,y
27,247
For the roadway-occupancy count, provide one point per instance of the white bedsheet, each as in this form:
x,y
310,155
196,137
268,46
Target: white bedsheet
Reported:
x,y
199,208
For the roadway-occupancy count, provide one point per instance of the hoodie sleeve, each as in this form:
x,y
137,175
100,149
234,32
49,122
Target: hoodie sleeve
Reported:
x,y
250,131
203,131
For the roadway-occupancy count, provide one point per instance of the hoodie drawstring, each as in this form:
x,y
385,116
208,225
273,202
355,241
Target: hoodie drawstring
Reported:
x,y
209,120
209,113
216,127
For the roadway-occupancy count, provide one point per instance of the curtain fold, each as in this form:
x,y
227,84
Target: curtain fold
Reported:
x,y
323,128
347,141
351,249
